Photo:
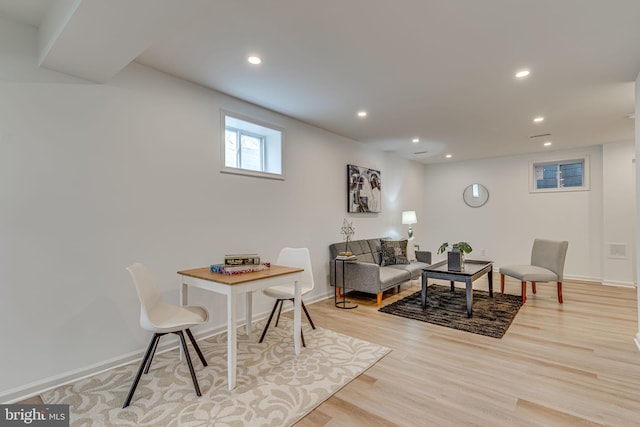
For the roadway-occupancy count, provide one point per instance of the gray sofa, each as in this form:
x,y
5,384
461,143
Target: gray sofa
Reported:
x,y
366,275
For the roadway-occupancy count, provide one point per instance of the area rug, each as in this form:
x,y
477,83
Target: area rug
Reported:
x,y
274,387
491,316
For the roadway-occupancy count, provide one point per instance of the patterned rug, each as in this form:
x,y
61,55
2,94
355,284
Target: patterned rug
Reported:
x,y
491,316
274,387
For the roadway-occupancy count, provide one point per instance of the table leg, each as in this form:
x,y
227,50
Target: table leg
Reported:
x,y
423,298
453,287
248,309
469,296
184,300
297,307
491,281
231,340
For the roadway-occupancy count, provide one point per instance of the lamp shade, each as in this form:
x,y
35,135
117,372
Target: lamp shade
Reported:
x,y
409,217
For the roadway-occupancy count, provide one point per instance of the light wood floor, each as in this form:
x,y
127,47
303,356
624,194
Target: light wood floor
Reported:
x,y
557,365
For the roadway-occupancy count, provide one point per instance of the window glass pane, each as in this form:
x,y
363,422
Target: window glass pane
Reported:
x,y
251,148
547,176
571,174
250,152
230,148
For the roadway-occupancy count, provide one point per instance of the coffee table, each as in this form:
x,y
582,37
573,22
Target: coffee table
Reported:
x,y
472,271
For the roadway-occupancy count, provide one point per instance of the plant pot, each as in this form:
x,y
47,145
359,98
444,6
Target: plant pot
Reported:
x,y
454,261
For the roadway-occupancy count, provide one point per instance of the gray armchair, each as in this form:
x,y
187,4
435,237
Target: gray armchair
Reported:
x,y
547,265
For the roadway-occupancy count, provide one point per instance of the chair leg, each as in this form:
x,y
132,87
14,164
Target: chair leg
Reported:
x,y
502,283
264,332
186,356
560,292
279,311
153,353
152,345
379,298
307,313
533,287
196,347
338,292
302,336
524,292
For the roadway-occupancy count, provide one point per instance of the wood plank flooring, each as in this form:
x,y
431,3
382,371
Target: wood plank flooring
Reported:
x,y
573,364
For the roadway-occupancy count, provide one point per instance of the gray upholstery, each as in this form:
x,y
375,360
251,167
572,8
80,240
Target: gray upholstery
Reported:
x,y
547,265
365,274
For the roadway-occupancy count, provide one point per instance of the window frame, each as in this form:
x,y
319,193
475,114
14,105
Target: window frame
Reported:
x,y
272,145
586,182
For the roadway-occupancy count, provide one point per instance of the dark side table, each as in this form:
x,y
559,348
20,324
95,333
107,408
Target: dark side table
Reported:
x,y
344,304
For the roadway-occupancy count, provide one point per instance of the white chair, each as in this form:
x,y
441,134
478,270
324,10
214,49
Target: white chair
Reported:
x,y
547,265
161,318
291,257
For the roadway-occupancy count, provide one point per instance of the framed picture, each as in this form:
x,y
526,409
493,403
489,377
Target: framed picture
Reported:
x,y
364,190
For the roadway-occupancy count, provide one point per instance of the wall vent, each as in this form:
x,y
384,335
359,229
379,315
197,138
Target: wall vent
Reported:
x,y
617,250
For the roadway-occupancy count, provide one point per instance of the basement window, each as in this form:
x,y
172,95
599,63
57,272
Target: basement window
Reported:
x,y
561,175
251,147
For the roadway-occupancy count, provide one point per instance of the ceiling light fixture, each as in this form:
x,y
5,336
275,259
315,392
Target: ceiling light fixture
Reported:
x,y
362,114
415,140
547,144
522,74
254,60
538,119
448,156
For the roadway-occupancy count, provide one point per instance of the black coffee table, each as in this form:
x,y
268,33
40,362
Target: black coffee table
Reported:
x,y
472,271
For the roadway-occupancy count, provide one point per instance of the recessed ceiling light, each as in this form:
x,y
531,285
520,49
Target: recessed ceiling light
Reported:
x,y
362,114
448,156
538,119
522,74
254,60
415,140
547,144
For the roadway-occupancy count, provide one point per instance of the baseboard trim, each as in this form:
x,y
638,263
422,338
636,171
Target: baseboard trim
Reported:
x,y
36,388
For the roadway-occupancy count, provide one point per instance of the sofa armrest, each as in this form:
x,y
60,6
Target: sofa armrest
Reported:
x,y
424,256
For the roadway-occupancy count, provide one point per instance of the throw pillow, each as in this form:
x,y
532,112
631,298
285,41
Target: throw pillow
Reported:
x,y
393,252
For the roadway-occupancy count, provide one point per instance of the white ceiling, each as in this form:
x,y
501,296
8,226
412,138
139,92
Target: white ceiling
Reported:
x,y
440,70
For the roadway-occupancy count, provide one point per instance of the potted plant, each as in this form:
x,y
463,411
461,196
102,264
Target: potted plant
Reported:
x,y
463,247
455,257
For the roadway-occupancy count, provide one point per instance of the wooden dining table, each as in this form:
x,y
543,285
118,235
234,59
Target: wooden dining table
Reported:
x,y
237,284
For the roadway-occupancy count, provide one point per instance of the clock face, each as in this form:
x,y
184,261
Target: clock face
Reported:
x,y
475,195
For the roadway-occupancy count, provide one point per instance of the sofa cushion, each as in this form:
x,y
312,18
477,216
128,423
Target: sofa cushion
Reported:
x,y
392,276
414,268
393,252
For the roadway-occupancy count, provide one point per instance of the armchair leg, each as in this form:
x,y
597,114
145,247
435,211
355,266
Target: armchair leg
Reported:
x,y
275,306
379,298
145,361
196,347
153,353
560,292
524,292
533,287
279,311
307,313
501,283
188,357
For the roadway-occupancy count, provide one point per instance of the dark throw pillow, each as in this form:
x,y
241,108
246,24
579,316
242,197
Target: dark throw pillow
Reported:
x,y
393,252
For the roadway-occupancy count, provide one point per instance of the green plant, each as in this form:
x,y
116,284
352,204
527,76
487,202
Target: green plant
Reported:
x,y
463,247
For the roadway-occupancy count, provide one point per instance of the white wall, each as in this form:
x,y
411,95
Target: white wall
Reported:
x,y
619,191
505,227
96,177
